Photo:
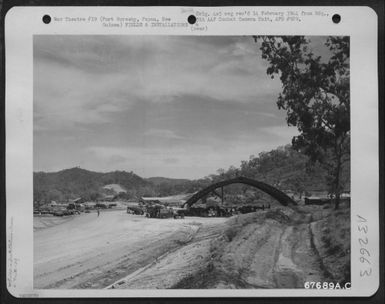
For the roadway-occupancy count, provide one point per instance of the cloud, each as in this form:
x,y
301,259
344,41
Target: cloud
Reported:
x,y
187,161
171,160
116,159
281,132
168,105
82,81
162,133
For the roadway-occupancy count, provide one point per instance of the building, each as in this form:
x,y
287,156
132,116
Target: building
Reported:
x,y
172,201
78,200
53,204
108,198
89,205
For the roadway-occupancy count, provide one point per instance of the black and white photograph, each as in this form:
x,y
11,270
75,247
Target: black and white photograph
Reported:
x,y
191,162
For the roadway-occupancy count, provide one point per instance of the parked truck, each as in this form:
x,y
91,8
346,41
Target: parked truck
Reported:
x,y
160,211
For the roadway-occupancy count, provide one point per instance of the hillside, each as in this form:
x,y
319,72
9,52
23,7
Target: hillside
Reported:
x,y
283,168
115,188
75,182
165,180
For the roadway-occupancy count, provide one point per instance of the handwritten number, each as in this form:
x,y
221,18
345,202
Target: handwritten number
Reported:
x,y
364,251
364,273
363,260
363,228
363,241
361,219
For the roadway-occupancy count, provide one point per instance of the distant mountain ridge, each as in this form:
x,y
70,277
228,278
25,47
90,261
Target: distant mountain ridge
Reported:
x,y
159,180
75,182
283,168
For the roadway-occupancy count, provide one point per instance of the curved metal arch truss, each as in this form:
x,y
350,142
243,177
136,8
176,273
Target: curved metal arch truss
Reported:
x,y
281,197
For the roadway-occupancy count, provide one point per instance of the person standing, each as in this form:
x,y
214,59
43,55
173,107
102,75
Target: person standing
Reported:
x,y
98,210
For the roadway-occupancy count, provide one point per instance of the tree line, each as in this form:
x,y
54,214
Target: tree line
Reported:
x,y
284,167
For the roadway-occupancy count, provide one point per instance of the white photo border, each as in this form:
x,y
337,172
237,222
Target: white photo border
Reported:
x,y
22,23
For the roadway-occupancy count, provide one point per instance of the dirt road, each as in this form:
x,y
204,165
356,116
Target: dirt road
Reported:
x,y
262,253
88,251
280,248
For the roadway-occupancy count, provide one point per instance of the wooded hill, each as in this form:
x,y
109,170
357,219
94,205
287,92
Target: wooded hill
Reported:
x,y
283,168
77,182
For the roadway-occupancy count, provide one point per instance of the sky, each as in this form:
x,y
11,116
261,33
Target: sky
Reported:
x,y
172,106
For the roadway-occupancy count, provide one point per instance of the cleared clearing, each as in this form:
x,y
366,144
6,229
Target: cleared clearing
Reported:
x,y
88,251
278,248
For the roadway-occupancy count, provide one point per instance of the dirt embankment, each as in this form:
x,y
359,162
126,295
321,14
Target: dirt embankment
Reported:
x,y
178,263
281,248
332,242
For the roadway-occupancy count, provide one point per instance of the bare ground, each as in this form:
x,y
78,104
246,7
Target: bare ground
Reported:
x,y
279,248
275,249
93,252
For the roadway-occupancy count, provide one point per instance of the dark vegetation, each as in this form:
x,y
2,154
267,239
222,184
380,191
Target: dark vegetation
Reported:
x,y
316,97
283,168
77,182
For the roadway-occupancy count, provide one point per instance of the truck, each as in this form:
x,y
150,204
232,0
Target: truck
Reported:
x,y
135,210
179,213
160,211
